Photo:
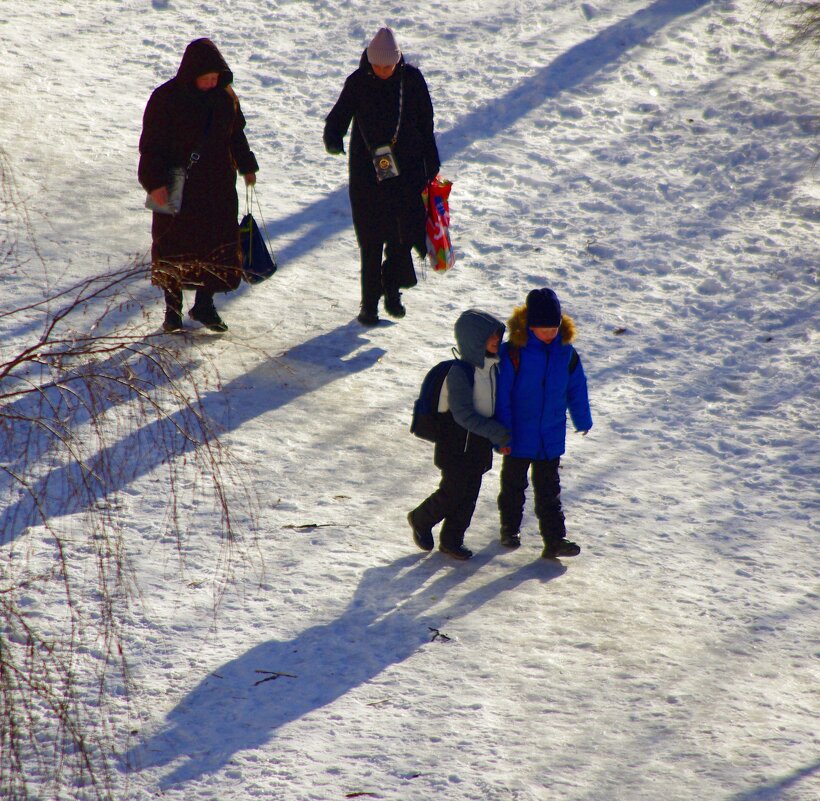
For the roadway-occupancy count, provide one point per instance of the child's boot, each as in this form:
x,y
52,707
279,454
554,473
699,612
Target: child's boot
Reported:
x,y
422,535
554,549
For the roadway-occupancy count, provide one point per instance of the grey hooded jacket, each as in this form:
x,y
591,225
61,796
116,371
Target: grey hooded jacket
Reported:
x,y
471,435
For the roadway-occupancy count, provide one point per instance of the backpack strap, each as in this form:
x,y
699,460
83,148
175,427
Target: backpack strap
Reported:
x,y
514,353
466,368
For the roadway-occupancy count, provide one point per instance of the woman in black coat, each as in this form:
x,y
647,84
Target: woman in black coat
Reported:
x,y
198,247
389,104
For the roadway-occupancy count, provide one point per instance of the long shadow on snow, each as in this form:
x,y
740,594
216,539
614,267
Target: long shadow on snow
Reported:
x,y
72,488
386,622
31,427
571,69
774,790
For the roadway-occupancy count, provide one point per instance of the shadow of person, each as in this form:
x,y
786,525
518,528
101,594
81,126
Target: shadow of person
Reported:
x,y
79,484
771,791
235,708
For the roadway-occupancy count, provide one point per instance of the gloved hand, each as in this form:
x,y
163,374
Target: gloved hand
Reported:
x,y
334,146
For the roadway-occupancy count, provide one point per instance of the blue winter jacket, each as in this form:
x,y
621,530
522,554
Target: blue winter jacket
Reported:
x,y
533,400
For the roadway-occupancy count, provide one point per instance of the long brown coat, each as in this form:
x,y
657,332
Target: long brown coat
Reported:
x,y
199,247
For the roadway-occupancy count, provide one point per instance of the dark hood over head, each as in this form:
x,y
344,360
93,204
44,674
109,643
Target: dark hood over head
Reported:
x,y
200,57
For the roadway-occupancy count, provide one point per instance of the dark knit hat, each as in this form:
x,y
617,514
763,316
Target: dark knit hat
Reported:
x,y
383,49
543,309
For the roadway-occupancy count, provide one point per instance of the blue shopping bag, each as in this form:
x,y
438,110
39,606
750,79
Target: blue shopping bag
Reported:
x,y
258,261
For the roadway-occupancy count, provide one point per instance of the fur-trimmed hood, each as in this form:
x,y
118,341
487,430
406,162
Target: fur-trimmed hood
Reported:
x,y
519,331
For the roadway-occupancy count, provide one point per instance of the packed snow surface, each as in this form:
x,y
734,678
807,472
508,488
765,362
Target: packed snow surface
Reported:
x,y
655,164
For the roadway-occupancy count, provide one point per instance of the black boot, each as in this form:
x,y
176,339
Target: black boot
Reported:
x,y
393,305
423,537
173,312
172,321
368,317
204,311
456,551
553,549
510,538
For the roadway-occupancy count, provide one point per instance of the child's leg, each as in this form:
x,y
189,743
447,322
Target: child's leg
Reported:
x,y
511,498
431,511
546,484
463,488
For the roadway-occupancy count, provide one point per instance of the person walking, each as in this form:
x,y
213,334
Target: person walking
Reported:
x,y
540,378
393,154
464,450
194,123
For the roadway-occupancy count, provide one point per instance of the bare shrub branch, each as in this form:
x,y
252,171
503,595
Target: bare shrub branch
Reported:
x,y
803,20
89,403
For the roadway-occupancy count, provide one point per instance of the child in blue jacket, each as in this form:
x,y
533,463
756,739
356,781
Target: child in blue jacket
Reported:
x,y
464,449
540,378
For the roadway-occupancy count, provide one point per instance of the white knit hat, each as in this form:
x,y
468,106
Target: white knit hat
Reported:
x,y
383,50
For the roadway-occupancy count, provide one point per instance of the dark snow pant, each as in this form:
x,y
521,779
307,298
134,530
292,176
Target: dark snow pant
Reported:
x,y
453,502
546,485
381,276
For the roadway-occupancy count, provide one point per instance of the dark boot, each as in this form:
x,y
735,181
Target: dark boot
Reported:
x,y
422,536
172,321
554,549
368,317
510,538
456,551
393,305
173,312
204,311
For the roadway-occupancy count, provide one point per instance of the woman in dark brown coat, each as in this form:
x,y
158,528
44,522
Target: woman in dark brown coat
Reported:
x,y
198,247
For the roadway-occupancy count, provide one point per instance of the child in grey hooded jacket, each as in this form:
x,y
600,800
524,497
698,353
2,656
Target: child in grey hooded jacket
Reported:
x,y
464,450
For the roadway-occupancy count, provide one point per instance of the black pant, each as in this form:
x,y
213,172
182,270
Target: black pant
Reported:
x,y
546,485
381,277
453,502
202,300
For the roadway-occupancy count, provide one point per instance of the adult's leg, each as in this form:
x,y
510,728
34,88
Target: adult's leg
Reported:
x,y
512,495
173,299
173,310
397,265
205,312
370,251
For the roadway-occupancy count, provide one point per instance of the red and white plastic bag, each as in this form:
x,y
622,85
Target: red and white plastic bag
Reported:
x,y
437,226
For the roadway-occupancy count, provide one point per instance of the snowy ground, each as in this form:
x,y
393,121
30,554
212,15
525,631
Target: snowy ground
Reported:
x,y
653,162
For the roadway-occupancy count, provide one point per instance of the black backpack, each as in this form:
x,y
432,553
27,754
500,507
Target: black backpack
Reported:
x,y
427,419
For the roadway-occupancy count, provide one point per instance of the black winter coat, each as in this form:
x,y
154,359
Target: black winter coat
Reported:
x,y
372,104
200,245
457,449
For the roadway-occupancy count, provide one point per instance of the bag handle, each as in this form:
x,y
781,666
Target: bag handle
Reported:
x,y
250,197
398,123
